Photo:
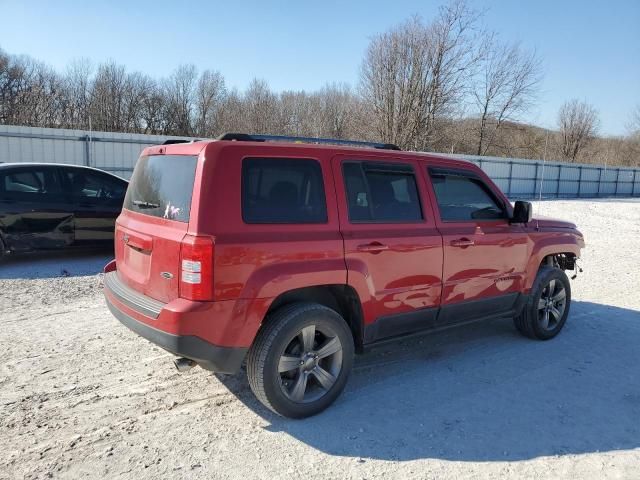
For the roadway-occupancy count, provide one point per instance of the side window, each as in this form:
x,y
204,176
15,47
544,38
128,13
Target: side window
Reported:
x,y
31,185
463,198
381,193
278,190
92,186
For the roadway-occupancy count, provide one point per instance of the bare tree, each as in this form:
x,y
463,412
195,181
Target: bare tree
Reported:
x,y
37,101
152,107
261,107
232,115
337,107
634,122
29,92
76,101
418,82
504,89
391,81
578,123
180,92
107,97
295,114
630,149
12,83
415,73
209,95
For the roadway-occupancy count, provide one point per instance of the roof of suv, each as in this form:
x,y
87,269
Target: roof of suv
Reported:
x,y
302,143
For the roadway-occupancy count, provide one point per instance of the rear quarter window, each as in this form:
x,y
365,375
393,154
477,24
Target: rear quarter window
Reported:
x,y
162,186
278,190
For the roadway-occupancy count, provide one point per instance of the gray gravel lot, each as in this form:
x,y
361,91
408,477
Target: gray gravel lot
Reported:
x,y
83,397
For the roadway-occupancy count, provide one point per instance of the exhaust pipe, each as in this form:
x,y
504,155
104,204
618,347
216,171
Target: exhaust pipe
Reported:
x,y
184,364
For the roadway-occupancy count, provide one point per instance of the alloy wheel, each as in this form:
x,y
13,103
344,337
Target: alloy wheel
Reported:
x,y
552,305
310,364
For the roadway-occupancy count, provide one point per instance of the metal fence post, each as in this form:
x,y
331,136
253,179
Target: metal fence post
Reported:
x,y
510,175
633,185
559,177
615,192
87,153
599,180
580,181
535,182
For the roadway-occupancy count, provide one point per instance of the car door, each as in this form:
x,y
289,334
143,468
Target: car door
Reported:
x,y
97,201
33,211
485,255
393,250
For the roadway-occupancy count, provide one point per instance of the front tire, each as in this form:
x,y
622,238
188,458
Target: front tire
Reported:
x,y
547,308
300,361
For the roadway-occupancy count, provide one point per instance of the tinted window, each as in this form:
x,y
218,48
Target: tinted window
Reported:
x,y
381,193
31,185
162,185
93,186
282,191
464,198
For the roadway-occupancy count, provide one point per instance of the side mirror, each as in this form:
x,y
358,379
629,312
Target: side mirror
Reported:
x,y
522,212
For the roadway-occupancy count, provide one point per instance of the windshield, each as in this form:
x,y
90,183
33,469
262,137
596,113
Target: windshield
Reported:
x,y
161,186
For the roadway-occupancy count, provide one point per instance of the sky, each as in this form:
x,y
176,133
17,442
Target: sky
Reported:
x,y
590,50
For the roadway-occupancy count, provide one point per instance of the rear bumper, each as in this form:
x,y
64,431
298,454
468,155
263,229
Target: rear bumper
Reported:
x,y
217,358
209,356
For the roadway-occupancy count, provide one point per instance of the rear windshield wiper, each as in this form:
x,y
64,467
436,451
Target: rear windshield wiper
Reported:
x,y
143,204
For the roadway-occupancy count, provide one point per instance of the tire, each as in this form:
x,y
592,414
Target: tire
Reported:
x,y
547,308
310,382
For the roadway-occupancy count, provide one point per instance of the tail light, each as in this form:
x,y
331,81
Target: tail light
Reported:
x,y
196,268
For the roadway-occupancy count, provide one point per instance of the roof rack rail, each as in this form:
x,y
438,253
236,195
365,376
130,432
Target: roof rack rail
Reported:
x,y
245,137
173,141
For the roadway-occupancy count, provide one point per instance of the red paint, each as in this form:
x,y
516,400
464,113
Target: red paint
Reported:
x,y
408,273
393,268
482,258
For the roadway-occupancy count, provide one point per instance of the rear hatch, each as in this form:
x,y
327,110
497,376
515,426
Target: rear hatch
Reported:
x,y
154,221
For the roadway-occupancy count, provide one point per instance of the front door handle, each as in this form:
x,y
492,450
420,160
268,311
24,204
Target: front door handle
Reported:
x,y
462,242
374,247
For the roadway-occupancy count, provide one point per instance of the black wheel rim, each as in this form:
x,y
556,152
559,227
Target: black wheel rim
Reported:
x,y
310,364
552,305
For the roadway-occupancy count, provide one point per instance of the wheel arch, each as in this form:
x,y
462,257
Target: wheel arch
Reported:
x,y
341,298
562,255
562,260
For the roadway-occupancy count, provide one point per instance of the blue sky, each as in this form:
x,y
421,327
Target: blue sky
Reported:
x,y
590,50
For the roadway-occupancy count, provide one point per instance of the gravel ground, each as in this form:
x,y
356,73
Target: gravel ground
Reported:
x,y
81,396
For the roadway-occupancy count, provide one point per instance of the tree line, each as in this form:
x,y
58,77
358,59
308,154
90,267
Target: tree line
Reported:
x,y
443,85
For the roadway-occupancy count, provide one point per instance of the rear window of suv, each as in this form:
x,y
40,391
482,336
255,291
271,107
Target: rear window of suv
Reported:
x,y
282,190
161,186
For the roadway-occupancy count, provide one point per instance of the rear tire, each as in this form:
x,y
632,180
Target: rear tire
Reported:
x,y
300,361
547,308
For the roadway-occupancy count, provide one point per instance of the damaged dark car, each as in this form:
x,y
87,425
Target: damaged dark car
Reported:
x,y
51,206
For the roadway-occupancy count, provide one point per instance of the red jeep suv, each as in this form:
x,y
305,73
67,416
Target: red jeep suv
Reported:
x,y
294,253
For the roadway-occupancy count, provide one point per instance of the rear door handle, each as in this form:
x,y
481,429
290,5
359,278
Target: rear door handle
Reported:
x,y
462,242
374,247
